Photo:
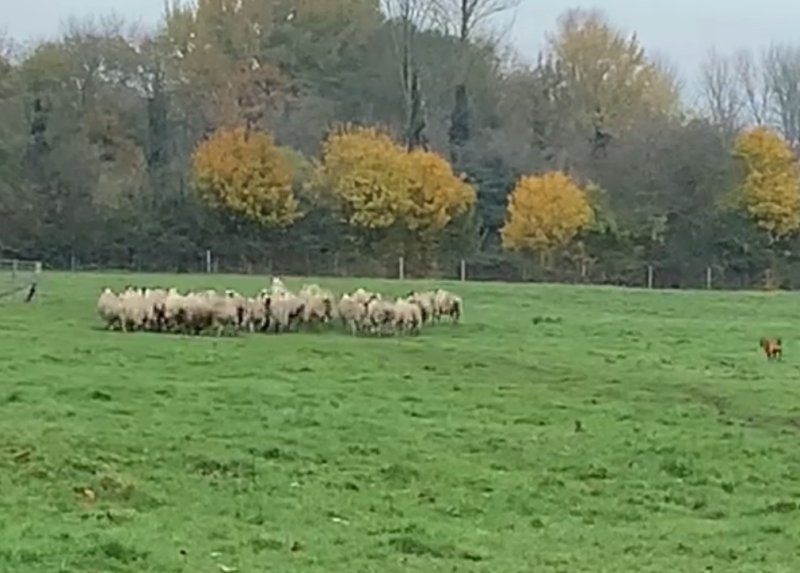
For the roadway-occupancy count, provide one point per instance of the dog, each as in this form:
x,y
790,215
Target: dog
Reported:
x,y
771,347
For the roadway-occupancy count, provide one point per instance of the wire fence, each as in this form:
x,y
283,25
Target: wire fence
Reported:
x,y
19,278
486,267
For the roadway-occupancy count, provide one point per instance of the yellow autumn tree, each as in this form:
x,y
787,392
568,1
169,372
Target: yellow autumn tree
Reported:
x,y
544,213
610,79
770,189
247,174
436,195
375,183
363,176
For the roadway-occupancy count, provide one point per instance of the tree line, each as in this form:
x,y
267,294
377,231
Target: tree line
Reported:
x,y
333,136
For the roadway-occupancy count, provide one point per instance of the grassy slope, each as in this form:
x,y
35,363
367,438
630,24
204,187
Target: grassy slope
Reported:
x,y
453,451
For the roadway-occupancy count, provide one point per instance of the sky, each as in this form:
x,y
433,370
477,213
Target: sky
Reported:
x,y
683,31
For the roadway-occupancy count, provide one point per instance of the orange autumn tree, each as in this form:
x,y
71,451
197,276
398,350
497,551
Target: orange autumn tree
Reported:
x,y
544,213
436,195
362,177
374,183
247,174
770,189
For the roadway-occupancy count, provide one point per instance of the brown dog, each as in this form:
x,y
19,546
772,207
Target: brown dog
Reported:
x,y
771,347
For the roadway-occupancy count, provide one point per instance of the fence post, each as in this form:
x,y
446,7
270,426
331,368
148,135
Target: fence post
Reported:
x,y
649,276
38,268
401,271
708,278
14,267
463,270
208,261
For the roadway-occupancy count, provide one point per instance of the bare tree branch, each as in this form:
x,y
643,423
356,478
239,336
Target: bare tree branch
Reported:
x,y
721,92
406,17
462,18
782,69
755,88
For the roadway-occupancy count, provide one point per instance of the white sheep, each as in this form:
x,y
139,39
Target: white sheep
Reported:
x,y
380,313
352,313
427,304
109,307
134,311
407,316
448,304
286,311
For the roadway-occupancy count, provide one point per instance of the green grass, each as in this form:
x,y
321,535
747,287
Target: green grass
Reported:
x,y
453,451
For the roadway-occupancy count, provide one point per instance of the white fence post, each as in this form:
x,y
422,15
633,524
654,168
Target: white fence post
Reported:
x,y
708,278
401,271
649,276
463,270
208,261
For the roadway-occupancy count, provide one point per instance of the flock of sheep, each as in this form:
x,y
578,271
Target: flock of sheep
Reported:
x,y
275,308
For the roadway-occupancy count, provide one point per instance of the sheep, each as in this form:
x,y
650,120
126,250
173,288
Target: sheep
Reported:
x,y
407,316
109,308
239,302
134,310
227,312
154,301
352,313
363,296
257,313
174,310
426,302
274,308
277,287
448,304
318,304
285,311
197,312
380,313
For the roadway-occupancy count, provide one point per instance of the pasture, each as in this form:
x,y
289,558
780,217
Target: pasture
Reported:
x,y
574,429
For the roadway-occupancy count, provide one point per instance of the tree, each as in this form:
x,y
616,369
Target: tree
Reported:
x,y
247,174
217,61
406,19
462,18
610,78
782,70
544,213
770,189
721,86
362,176
436,195
754,86
374,184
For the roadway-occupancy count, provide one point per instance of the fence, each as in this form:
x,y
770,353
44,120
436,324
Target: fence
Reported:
x,y
19,278
485,267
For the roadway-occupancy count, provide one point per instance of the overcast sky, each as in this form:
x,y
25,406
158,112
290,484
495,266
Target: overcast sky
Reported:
x,y
682,30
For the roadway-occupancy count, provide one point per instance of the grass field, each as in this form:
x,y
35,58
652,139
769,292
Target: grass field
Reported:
x,y
457,450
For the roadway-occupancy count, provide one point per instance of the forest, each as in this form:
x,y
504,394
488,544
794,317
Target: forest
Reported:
x,y
331,137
